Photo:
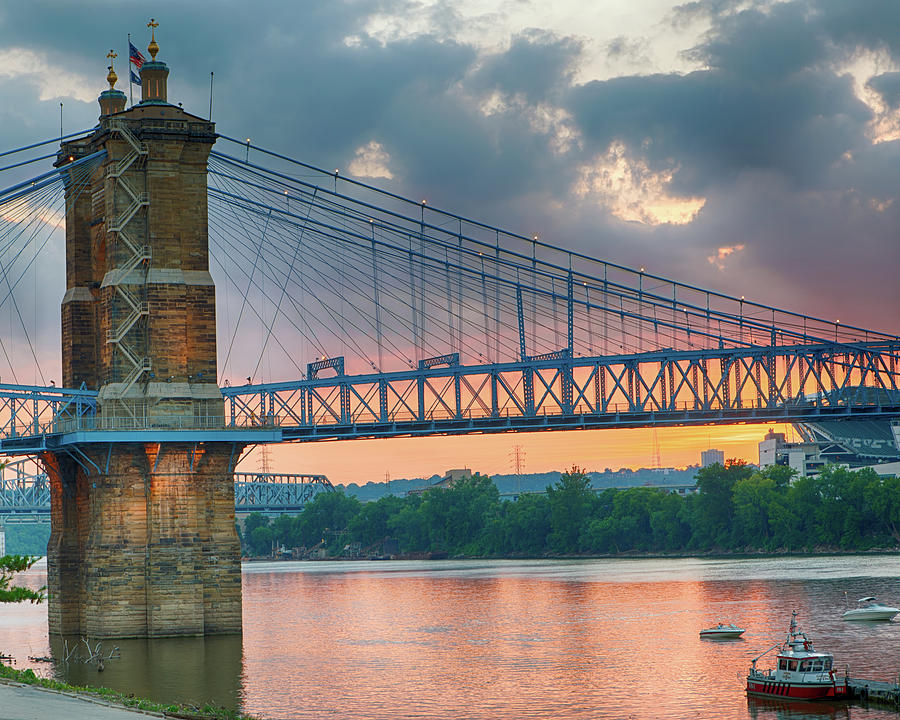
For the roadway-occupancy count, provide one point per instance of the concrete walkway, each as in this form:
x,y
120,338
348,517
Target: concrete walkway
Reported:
x,y
24,702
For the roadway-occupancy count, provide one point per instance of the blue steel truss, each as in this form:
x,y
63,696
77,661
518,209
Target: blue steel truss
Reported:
x,y
25,491
276,492
411,320
790,384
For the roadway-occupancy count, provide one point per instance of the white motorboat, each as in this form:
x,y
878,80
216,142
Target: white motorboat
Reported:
x,y
869,609
722,632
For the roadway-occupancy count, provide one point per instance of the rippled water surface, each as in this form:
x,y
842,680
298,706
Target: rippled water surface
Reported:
x,y
502,639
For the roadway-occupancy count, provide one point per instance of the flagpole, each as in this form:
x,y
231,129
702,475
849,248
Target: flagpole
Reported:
x,y
210,94
130,71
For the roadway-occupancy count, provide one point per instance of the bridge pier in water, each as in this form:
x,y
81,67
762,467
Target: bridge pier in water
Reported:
x,y
143,540
147,548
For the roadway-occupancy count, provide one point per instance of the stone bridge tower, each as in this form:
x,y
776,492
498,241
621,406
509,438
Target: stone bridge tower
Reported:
x,y
143,539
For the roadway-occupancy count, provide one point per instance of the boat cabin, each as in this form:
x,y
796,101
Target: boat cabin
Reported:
x,y
816,663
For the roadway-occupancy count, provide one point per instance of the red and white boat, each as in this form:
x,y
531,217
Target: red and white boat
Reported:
x,y
800,673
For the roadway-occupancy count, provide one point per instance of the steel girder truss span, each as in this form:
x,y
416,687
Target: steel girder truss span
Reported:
x,y
25,491
385,316
276,492
710,387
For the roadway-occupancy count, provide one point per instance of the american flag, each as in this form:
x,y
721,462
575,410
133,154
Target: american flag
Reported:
x,y
135,56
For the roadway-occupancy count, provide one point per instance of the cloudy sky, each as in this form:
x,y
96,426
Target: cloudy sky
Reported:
x,y
748,147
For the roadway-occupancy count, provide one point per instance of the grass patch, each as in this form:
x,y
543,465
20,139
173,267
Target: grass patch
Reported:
x,y
176,710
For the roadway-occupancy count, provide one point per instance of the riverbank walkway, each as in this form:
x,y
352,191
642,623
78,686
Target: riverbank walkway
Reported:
x,y
26,702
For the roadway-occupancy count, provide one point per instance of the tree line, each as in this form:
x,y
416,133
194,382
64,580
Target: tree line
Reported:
x,y
737,509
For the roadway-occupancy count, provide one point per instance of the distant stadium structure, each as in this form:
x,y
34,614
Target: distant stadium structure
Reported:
x,y
854,443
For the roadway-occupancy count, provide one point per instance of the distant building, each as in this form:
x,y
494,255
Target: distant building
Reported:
x,y
805,458
676,489
450,477
711,457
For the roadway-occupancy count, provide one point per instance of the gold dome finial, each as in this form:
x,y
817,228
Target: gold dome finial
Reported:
x,y
111,77
153,48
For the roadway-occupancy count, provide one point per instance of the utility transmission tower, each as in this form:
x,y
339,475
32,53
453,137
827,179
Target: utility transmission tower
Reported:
x,y
654,450
264,462
517,463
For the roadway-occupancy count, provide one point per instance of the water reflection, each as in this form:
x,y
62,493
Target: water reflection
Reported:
x,y
772,709
187,670
506,640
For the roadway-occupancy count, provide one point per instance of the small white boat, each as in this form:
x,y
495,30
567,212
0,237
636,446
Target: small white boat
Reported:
x,y
869,609
722,632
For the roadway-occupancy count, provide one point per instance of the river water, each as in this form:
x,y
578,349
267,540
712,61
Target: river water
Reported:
x,y
499,639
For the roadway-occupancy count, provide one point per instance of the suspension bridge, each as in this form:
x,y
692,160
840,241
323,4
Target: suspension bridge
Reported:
x,y
417,321
343,312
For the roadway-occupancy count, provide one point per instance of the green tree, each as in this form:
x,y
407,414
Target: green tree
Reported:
x,y
571,502
458,518
285,531
326,512
523,526
755,501
9,566
883,498
712,507
260,540
667,523
408,525
371,524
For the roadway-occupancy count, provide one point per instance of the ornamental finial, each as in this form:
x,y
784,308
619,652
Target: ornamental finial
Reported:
x,y
153,48
111,77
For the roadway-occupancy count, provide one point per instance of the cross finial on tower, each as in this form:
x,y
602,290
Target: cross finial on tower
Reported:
x,y
111,77
153,48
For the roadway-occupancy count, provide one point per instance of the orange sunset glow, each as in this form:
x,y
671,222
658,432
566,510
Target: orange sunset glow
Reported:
x,y
363,461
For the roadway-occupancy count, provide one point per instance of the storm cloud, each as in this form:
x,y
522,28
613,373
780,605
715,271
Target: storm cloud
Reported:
x,y
766,170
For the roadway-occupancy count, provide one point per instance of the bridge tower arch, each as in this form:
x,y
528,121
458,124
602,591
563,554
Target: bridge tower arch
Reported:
x,y
143,540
